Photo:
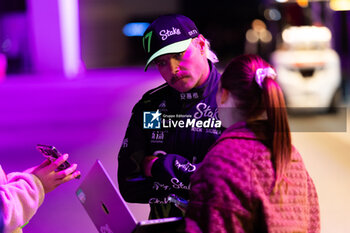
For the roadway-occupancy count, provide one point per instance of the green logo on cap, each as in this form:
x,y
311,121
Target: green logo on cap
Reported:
x,y
147,36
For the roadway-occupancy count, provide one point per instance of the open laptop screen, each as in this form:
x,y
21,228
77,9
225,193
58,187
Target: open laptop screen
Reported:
x,y
108,210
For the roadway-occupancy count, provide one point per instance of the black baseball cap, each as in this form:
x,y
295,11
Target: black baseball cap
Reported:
x,y
168,34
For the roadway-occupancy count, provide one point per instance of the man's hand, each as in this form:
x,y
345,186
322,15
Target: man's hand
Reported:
x,y
173,170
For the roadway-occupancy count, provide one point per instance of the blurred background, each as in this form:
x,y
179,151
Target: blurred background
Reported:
x,y
71,71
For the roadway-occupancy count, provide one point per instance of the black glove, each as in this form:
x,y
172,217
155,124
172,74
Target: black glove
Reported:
x,y
173,170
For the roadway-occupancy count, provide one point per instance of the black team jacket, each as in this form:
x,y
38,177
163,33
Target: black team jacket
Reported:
x,y
188,126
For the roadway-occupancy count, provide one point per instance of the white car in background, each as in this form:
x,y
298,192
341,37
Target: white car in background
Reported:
x,y
308,69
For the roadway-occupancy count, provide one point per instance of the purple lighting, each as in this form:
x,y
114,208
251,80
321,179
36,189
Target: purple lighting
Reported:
x,y
54,36
69,25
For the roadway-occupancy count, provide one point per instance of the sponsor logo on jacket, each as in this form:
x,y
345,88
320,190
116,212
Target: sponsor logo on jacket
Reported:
x,y
204,117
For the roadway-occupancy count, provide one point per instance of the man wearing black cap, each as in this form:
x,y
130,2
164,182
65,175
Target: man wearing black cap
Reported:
x,y
173,125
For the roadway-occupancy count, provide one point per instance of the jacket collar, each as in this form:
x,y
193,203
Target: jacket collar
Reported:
x,y
201,92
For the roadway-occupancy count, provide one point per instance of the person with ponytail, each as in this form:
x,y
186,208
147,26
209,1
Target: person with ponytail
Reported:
x,y
252,179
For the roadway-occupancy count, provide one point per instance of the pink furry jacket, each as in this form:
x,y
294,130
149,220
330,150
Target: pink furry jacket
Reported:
x,y
21,195
232,189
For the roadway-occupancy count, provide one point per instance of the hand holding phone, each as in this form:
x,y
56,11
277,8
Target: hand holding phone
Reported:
x,y
51,153
55,170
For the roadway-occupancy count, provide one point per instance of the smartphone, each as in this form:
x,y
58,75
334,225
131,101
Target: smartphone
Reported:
x,y
51,153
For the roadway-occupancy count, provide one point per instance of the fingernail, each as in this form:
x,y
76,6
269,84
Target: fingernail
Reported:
x,y
65,156
77,174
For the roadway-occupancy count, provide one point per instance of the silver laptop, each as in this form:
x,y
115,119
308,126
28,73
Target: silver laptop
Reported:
x,y
108,210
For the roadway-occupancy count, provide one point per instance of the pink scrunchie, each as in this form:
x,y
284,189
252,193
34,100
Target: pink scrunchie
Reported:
x,y
262,73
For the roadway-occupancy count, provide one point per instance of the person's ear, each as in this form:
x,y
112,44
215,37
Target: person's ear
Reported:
x,y
224,95
201,43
